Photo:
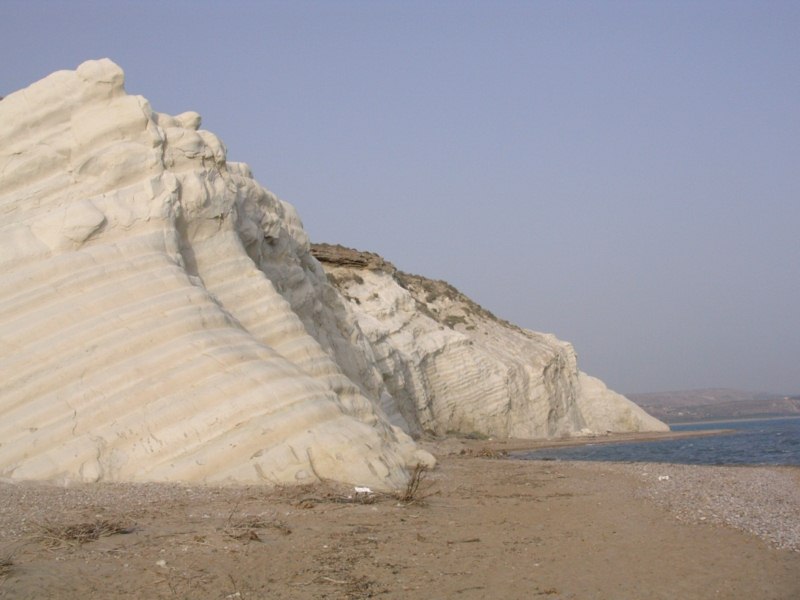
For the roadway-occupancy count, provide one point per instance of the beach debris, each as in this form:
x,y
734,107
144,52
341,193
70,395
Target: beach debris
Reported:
x,y
56,534
663,477
363,495
6,563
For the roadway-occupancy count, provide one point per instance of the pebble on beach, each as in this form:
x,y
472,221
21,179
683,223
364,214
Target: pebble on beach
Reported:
x,y
763,501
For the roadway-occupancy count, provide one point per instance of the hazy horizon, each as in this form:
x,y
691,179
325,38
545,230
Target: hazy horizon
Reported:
x,y
625,175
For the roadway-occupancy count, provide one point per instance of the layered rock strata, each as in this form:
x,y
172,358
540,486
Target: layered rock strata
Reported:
x,y
150,308
452,366
162,318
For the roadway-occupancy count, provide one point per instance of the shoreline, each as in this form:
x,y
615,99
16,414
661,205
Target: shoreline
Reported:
x,y
744,420
514,445
480,528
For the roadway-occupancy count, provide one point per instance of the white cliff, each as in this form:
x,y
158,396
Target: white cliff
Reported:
x,y
452,366
156,306
162,318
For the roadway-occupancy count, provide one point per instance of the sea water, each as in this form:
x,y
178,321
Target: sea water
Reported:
x,y
751,442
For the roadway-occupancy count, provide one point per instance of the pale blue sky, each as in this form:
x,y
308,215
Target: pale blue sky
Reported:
x,y
625,175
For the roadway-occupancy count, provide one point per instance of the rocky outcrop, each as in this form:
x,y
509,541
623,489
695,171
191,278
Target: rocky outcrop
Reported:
x,y
162,318
452,366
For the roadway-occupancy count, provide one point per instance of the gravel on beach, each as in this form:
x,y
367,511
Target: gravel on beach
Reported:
x,y
483,527
764,501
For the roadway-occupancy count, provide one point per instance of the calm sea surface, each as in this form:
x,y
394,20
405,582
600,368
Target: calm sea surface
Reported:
x,y
757,442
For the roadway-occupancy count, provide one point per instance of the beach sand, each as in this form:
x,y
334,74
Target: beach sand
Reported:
x,y
483,526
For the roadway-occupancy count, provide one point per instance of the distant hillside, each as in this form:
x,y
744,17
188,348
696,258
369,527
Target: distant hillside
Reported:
x,y
716,404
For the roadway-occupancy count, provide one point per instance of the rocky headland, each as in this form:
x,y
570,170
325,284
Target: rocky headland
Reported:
x,y
208,386
716,404
451,366
164,318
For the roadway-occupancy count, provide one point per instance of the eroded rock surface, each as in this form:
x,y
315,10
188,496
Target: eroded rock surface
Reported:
x,y
452,366
162,318
156,305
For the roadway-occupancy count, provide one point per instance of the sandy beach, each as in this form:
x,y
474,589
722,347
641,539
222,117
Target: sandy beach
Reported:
x,y
481,526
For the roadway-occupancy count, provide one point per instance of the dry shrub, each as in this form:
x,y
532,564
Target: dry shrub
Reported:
x,y
55,535
6,563
491,453
484,452
335,494
244,528
411,492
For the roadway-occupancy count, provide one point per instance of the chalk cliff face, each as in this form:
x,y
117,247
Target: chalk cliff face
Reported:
x,y
162,318
452,366
157,306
